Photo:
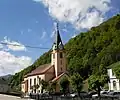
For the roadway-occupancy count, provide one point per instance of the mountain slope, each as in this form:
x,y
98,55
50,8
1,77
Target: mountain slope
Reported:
x,y
86,52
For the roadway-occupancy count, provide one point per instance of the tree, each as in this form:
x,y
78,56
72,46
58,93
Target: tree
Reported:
x,y
86,52
116,70
97,81
64,84
44,85
76,82
52,87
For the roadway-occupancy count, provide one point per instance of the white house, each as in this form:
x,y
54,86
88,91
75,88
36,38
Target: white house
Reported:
x,y
114,83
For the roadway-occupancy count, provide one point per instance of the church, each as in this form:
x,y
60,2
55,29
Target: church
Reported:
x,y
51,72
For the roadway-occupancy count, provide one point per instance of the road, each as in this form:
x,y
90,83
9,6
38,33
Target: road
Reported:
x,y
7,97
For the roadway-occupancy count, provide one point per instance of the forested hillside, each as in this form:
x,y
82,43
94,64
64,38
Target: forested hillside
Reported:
x,y
86,52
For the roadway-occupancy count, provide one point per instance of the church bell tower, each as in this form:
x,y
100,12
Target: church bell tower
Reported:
x,y
58,58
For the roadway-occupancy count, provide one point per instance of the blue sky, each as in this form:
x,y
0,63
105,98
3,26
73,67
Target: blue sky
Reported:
x,y
31,22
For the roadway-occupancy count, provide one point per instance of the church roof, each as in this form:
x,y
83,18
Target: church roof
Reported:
x,y
40,70
58,77
58,45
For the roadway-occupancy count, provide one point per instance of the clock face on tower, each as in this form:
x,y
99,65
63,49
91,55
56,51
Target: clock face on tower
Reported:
x,y
60,46
54,47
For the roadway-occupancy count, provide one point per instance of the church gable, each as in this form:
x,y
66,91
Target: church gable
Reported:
x,y
57,79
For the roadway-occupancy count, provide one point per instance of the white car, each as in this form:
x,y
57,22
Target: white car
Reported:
x,y
102,93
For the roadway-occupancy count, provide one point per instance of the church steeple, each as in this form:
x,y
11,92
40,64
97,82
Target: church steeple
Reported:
x,y
58,45
58,58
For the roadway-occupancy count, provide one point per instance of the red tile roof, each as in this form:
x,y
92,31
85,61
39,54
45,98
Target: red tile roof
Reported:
x,y
40,70
58,77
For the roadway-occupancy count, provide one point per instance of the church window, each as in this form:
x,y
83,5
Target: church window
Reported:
x,y
39,80
53,56
30,82
61,68
61,62
61,55
34,81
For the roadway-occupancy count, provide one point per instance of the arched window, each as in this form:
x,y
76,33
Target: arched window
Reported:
x,y
34,81
61,55
30,83
53,56
114,85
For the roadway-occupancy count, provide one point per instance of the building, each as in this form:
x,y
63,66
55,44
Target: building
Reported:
x,y
48,72
114,83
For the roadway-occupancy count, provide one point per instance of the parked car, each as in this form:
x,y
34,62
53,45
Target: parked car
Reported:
x,y
114,94
44,95
84,94
73,95
92,93
102,94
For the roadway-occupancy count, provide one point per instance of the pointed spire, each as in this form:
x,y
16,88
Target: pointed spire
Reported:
x,y
58,45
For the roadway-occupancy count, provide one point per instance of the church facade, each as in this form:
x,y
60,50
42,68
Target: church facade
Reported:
x,y
52,72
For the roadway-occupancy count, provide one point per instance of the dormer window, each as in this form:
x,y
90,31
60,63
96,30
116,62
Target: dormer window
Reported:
x,y
61,55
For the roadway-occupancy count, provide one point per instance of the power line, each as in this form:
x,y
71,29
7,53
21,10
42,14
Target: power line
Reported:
x,y
24,45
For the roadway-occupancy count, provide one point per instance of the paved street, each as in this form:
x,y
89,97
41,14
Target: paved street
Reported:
x,y
7,97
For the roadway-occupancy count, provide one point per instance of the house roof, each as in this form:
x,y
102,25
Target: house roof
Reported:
x,y
40,70
58,77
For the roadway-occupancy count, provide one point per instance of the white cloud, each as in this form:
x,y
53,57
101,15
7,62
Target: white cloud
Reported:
x,y
74,35
64,30
10,64
43,35
77,12
52,34
91,19
13,45
1,46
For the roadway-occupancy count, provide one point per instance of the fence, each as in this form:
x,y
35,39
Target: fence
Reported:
x,y
39,97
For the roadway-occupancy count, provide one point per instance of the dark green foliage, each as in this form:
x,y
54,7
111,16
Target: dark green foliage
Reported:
x,y
76,82
64,84
86,52
44,85
52,87
116,69
97,81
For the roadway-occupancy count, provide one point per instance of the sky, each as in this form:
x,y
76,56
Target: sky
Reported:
x,y
25,23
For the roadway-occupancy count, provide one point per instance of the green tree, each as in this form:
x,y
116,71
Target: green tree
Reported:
x,y
97,81
86,52
44,85
64,84
116,70
52,87
76,82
